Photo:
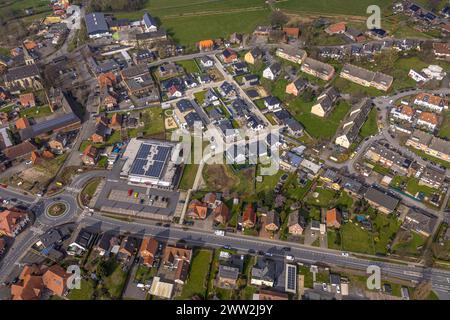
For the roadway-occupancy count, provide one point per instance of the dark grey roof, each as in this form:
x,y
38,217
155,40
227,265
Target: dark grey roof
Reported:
x,y
161,33
228,272
22,72
381,198
184,105
49,125
149,21
271,100
293,125
264,269
84,238
135,71
96,23
50,238
191,118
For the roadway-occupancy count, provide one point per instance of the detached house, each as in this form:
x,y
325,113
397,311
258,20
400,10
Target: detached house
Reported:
x,y
33,280
263,272
333,218
27,100
272,103
253,55
297,86
90,155
13,221
221,213
148,250
325,102
249,217
272,72
229,55
177,259
197,210
272,221
296,223
58,143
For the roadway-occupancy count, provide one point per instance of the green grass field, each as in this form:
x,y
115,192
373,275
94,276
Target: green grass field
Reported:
x,y
36,112
332,7
196,283
324,199
190,21
84,293
410,247
319,128
153,119
370,127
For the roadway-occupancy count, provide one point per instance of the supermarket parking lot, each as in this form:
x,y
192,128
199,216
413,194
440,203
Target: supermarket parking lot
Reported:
x,y
117,195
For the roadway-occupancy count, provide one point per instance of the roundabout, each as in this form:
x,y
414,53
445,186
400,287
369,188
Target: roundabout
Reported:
x,y
57,209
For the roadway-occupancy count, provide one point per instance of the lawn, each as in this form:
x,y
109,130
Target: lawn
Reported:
x,y
198,275
332,7
153,119
355,239
200,97
189,66
411,185
409,244
36,112
444,130
370,127
344,200
90,188
269,182
188,178
345,86
317,127
144,273
86,143
308,276
226,178
115,282
85,292
385,227
324,199
294,191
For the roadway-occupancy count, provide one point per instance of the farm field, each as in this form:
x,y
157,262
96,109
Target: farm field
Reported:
x,y
332,7
193,20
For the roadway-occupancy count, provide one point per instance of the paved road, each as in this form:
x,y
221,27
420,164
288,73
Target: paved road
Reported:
x,y
440,279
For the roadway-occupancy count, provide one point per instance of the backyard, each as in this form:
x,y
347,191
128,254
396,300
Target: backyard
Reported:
x,y
198,274
320,128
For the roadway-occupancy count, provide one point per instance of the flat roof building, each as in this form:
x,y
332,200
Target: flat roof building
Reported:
x,y
151,162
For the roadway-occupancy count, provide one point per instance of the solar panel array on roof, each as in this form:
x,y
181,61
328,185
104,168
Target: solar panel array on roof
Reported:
x,y
150,160
291,278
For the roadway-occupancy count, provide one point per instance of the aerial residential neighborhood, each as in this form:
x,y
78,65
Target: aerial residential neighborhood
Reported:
x,y
224,150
